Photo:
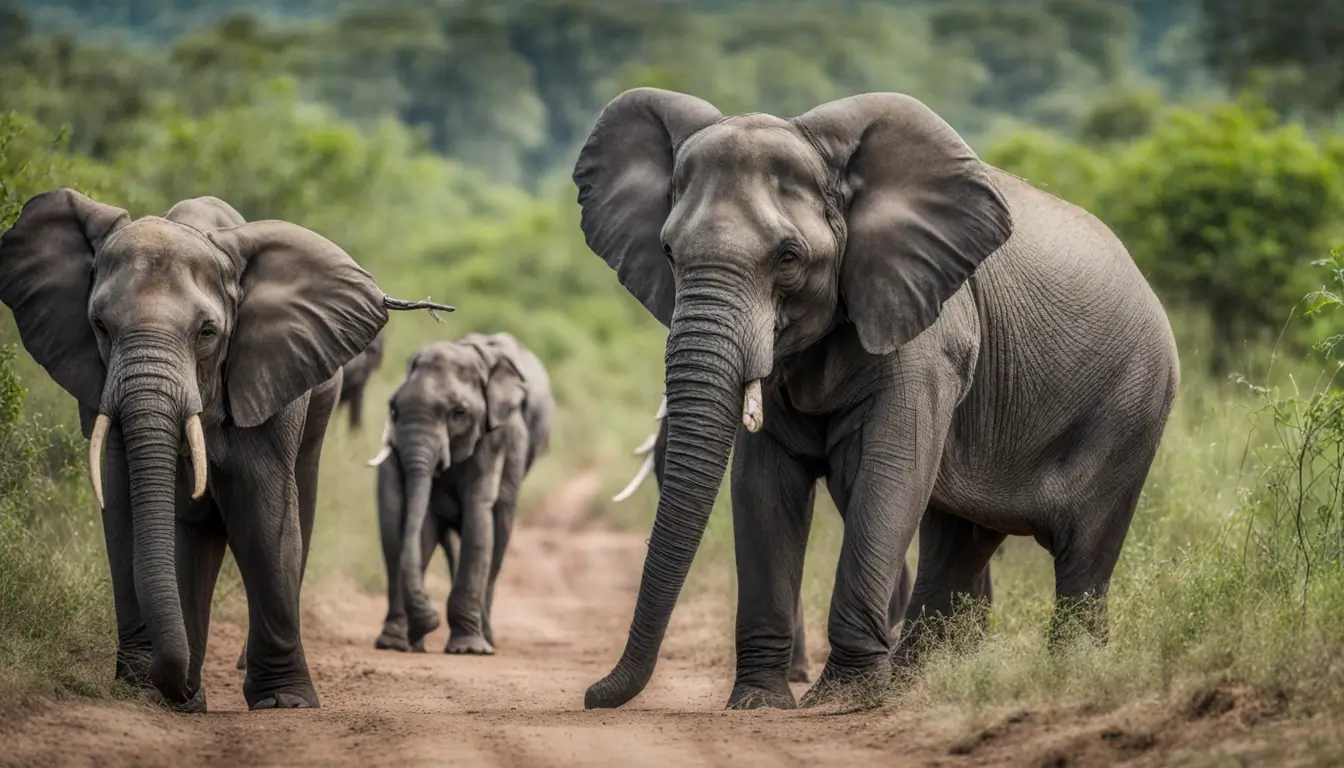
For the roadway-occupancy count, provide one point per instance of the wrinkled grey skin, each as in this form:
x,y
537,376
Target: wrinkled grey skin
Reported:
x,y
798,667
951,348
464,428
151,322
355,375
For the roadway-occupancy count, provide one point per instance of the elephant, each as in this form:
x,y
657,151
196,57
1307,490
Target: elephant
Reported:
x,y
853,295
463,429
204,353
355,376
653,450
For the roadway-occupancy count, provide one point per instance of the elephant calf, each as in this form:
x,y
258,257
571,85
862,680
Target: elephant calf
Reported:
x,y
355,376
462,431
205,354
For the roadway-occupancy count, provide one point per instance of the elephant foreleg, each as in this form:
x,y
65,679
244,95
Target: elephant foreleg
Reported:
x,y
882,477
772,497
199,555
468,600
391,523
260,501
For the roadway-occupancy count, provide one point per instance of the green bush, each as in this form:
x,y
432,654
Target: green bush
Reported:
x,y
1224,209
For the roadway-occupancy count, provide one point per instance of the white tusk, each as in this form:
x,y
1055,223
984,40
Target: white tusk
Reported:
x,y
383,453
662,410
648,444
196,441
100,427
386,450
644,470
753,412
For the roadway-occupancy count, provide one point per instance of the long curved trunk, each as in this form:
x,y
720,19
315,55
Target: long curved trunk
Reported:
x,y
713,348
419,454
151,403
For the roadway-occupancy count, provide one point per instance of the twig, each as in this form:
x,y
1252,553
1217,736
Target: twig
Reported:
x,y
399,304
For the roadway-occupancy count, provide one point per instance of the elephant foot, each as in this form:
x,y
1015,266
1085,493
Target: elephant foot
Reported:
x,y
752,697
473,644
420,624
194,705
283,700
849,689
391,642
418,646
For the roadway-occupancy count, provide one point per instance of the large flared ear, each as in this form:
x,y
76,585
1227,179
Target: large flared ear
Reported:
x,y
504,382
306,308
921,212
46,274
624,175
205,213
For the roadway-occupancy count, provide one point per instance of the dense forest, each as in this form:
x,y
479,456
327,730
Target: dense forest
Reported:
x,y
433,140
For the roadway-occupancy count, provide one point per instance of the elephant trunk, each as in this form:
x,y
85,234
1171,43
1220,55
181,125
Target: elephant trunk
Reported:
x,y
716,356
421,451
158,409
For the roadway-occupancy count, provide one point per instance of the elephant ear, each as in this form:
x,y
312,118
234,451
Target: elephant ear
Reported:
x,y
505,384
305,309
921,212
205,213
624,176
46,273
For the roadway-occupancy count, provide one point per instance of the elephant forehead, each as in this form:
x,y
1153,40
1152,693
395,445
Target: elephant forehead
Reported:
x,y
751,145
154,246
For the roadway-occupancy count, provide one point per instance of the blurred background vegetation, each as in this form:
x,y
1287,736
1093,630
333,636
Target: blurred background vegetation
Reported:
x,y
433,141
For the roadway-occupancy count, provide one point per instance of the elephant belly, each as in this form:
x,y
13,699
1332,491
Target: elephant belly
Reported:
x,y
1076,377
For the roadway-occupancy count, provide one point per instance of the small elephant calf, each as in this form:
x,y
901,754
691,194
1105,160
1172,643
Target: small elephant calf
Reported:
x,y
355,375
462,431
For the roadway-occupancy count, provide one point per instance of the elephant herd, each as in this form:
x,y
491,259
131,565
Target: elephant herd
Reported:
x,y
851,295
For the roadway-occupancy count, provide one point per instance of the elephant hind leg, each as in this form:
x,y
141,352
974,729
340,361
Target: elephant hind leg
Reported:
x,y
1084,563
953,581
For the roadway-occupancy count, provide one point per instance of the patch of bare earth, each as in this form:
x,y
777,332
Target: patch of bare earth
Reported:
x,y
563,606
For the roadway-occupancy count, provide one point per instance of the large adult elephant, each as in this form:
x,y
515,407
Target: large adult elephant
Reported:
x,y
852,294
463,430
205,356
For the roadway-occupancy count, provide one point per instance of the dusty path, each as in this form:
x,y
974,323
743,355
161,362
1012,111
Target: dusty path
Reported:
x,y
562,609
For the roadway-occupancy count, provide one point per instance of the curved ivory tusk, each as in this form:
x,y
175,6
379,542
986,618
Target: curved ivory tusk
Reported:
x,y
100,427
649,441
196,441
644,470
386,449
753,410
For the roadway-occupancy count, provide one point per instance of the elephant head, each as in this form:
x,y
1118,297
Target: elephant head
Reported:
x,y
453,394
751,237
167,327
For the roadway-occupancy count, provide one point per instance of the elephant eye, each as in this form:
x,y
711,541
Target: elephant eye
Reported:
x,y
98,326
392,409
458,412
667,251
209,331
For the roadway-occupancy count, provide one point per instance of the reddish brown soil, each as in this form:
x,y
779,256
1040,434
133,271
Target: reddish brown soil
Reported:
x,y
563,606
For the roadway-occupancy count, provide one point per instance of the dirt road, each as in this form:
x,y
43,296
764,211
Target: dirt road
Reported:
x,y
563,606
